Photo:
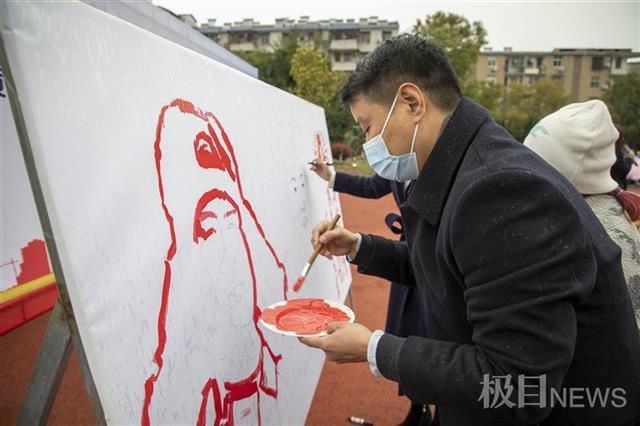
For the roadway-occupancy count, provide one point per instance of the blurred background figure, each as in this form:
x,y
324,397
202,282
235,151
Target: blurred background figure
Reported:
x,y
579,141
625,159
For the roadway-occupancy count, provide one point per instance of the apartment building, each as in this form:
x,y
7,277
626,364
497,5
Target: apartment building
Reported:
x,y
583,73
344,40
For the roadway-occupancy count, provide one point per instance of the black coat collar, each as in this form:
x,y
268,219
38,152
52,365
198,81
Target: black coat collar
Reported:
x,y
432,187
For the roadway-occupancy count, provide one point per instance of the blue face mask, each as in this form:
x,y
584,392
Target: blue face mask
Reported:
x,y
400,168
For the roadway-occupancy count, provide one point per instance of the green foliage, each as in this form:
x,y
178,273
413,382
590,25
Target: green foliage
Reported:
x,y
524,105
274,67
460,39
341,125
314,80
361,167
487,94
623,99
353,137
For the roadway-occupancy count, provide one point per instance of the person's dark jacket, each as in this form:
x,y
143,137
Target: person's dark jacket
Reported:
x,y
404,314
518,278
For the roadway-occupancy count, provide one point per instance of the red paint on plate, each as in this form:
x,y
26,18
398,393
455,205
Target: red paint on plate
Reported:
x,y
303,316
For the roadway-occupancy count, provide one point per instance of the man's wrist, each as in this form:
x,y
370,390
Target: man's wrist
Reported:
x,y
355,247
332,178
372,347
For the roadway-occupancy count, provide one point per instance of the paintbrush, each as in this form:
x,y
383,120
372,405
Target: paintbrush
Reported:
x,y
313,256
313,163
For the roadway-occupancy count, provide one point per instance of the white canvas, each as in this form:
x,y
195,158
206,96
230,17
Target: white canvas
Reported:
x,y
181,204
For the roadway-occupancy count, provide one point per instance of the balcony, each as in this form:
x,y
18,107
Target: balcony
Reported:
x,y
347,44
367,47
242,47
344,66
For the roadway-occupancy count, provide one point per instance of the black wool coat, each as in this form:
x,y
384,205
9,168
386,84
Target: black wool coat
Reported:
x,y
518,279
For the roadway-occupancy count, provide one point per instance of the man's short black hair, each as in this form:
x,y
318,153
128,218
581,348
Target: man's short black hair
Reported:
x,y
406,58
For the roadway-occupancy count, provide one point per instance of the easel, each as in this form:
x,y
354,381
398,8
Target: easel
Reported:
x,y
62,331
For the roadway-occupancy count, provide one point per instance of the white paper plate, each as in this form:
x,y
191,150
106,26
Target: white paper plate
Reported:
x,y
333,304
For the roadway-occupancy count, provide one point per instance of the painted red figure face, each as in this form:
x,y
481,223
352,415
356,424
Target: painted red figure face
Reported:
x,y
211,274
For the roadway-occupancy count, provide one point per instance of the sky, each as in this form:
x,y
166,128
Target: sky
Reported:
x,y
522,25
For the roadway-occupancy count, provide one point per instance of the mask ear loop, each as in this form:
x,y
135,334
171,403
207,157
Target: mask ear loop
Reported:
x,y
393,105
415,133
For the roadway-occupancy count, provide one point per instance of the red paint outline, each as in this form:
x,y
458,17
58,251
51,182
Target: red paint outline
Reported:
x,y
220,157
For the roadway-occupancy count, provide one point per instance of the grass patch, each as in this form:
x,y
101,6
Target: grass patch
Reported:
x,y
354,166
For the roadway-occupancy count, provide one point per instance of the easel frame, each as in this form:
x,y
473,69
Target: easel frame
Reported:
x,y
62,332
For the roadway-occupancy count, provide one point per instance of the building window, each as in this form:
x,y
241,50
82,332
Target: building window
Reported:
x,y
347,57
365,37
618,64
242,38
306,37
336,56
557,61
386,35
344,35
491,62
558,79
595,82
597,63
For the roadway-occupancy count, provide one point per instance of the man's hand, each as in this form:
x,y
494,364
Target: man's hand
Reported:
x,y
321,169
345,343
337,242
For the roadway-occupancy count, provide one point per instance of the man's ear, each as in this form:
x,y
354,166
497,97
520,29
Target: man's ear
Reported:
x,y
414,99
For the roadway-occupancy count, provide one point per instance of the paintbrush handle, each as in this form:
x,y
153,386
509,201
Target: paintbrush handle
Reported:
x,y
319,247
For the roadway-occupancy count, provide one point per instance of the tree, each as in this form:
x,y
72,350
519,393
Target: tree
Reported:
x,y
353,137
460,39
314,80
523,106
275,67
548,96
623,99
342,127
488,94
514,110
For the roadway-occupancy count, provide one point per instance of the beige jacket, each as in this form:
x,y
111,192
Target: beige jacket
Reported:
x,y
624,233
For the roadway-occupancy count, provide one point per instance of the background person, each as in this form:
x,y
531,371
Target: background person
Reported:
x,y
580,141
